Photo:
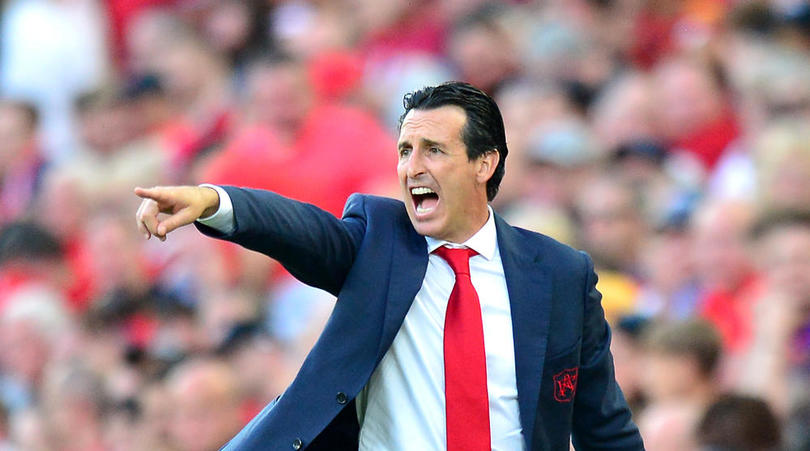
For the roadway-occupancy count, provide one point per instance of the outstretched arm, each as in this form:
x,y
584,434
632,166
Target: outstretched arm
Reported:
x,y
316,247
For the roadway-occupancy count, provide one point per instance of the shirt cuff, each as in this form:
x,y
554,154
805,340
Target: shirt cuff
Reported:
x,y
222,220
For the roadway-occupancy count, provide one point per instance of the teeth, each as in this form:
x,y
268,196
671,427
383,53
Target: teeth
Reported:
x,y
421,209
421,190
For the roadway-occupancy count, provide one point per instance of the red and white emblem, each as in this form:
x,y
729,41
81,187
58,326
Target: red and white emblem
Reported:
x,y
565,384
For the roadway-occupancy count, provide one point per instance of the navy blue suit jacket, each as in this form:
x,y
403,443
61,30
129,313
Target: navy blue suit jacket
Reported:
x,y
374,262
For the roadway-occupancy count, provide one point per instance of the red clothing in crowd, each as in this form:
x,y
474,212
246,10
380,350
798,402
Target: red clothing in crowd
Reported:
x,y
337,151
420,30
709,142
121,14
732,313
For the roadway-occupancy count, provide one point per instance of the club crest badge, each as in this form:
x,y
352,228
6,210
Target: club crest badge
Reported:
x,y
565,384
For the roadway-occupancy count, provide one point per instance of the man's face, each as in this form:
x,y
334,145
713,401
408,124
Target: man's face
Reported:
x,y
444,192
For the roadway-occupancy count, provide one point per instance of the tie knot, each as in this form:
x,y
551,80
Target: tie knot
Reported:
x,y
457,257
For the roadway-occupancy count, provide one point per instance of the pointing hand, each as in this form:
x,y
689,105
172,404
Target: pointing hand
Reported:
x,y
183,204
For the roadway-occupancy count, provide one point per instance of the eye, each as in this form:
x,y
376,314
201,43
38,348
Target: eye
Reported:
x,y
434,150
404,152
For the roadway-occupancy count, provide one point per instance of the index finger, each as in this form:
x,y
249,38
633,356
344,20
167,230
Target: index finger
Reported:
x,y
156,193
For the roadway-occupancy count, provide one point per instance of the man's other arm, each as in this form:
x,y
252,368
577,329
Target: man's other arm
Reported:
x,y
602,419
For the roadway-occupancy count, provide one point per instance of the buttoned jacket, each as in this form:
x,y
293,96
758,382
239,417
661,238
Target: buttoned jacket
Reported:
x,y
374,261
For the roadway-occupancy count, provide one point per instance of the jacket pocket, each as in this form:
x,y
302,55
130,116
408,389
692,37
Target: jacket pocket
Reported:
x,y
557,395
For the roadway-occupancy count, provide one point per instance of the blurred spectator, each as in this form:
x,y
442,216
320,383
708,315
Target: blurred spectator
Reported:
x,y
740,423
526,105
783,164
122,13
115,264
400,46
195,81
560,158
29,257
628,355
780,349
317,153
397,26
668,26
612,229
624,110
692,113
612,225
669,427
73,403
204,405
263,368
72,47
62,208
679,380
21,163
115,154
682,361
725,270
32,325
669,289
311,29
236,29
481,49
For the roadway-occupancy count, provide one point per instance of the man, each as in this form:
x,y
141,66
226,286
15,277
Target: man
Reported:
x,y
520,360
205,405
21,164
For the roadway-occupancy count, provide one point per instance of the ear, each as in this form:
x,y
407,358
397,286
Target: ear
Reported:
x,y
486,165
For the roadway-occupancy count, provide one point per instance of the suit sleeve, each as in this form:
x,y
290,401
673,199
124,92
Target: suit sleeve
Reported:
x,y
602,419
315,246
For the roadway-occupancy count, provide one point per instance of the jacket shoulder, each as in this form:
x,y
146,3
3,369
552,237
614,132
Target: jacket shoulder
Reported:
x,y
372,204
551,250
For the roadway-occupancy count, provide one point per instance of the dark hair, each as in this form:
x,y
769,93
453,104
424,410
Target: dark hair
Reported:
x,y
773,220
737,422
693,338
483,130
28,241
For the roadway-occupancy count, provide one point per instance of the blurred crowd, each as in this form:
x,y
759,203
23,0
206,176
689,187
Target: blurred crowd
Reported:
x,y
668,138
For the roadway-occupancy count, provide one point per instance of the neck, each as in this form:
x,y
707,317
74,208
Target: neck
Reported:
x,y
476,224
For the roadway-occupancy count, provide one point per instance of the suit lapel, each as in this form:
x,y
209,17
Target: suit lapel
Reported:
x,y
529,287
408,266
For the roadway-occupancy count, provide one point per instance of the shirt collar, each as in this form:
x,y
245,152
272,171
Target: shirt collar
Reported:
x,y
484,241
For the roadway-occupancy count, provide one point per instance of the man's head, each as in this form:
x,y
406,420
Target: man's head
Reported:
x,y
783,250
452,149
739,422
280,92
682,358
205,403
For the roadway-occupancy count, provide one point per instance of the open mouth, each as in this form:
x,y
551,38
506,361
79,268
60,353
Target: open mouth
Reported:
x,y
424,199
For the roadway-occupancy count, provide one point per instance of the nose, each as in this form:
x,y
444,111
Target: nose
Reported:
x,y
414,165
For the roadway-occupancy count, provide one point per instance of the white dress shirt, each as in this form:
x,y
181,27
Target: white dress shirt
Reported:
x,y
402,406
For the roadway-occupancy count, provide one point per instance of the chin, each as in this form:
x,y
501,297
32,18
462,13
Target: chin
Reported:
x,y
426,228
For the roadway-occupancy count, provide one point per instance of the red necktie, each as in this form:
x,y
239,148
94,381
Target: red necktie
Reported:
x,y
465,364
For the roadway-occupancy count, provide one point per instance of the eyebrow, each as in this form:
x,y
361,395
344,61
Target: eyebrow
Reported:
x,y
424,141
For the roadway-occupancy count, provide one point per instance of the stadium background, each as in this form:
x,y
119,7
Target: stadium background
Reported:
x,y
670,139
